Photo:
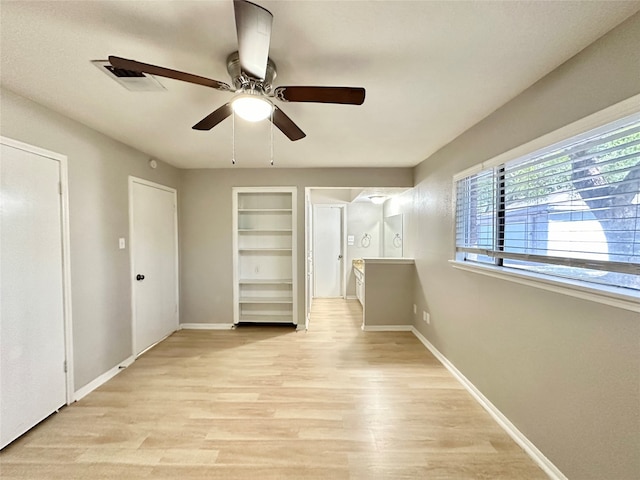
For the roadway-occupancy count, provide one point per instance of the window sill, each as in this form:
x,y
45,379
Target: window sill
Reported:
x,y
616,297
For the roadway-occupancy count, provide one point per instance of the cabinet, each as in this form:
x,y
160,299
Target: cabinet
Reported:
x,y
359,285
264,255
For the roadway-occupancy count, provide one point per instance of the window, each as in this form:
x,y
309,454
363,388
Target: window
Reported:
x,y
570,210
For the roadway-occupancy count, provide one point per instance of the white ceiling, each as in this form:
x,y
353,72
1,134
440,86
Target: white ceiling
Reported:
x,y
431,70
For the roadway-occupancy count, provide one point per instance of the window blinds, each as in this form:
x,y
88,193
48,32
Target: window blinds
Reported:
x,y
576,205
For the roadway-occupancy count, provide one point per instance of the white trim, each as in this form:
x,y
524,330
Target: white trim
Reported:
x,y
102,379
536,455
610,114
387,328
66,265
293,190
294,252
235,276
173,191
206,326
32,149
615,297
66,254
344,248
307,233
352,297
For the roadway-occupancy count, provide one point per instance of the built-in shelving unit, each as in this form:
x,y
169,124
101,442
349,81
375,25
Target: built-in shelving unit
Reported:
x,y
264,255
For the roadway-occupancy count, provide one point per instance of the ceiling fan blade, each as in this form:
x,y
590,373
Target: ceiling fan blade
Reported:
x,y
253,25
286,125
135,66
214,118
344,95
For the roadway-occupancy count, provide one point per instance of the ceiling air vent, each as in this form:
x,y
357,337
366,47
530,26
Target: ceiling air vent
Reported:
x,y
133,81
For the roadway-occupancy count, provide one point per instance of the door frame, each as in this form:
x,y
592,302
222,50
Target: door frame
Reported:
x,y
173,191
308,256
343,237
66,255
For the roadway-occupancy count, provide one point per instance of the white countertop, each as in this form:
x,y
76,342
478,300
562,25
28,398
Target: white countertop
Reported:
x,y
390,260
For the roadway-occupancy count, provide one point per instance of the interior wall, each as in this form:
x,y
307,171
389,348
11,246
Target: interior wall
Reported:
x,y
98,202
403,204
205,228
565,371
362,217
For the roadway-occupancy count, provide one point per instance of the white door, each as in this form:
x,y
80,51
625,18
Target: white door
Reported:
x,y
32,328
154,263
327,251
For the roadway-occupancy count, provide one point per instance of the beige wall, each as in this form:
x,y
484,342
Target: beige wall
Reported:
x,y
565,371
98,202
205,228
388,294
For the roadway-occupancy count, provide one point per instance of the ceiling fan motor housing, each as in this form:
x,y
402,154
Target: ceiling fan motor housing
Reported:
x,y
244,81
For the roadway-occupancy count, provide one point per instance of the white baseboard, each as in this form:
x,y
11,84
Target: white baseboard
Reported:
x,y
536,455
105,377
387,328
206,326
351,297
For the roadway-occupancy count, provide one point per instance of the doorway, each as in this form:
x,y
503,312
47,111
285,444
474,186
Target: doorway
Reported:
x,y
153,221
328,251
35,289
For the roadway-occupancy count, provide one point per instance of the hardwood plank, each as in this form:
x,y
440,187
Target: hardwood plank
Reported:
x,y
274,403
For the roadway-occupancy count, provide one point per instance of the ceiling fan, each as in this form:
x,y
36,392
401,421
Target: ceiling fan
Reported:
x,y
252,73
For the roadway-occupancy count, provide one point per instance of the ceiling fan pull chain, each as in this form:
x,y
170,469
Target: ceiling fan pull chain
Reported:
x,y
233,138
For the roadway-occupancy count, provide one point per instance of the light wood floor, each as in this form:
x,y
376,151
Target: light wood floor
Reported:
x,y
271,403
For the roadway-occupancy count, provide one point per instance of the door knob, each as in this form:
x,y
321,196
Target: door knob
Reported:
x,y
339,257
139,277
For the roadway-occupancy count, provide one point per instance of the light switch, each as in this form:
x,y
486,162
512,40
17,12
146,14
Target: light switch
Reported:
x,y
351,239
121,243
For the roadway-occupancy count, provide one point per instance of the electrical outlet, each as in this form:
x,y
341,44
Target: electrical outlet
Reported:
x,y
426,317
415,309
121,243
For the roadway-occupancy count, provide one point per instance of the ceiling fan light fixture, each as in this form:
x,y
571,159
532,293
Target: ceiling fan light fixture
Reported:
x,y
377,199
252,107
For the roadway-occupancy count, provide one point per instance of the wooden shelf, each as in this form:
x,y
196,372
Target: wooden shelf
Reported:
x,y
265,210
264,220
265,230
266,300
264,249
266,318
265,281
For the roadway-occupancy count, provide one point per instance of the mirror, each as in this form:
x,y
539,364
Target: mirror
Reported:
x,y
393,236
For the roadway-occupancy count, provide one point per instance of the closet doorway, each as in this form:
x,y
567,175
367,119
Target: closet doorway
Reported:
x,y
153,229
35,288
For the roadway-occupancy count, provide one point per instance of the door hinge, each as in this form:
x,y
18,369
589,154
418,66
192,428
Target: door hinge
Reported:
x,y
59,188
64,366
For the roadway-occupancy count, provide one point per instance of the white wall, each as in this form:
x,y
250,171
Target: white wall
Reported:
x,y
403,204
98,186
565,371
362,217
